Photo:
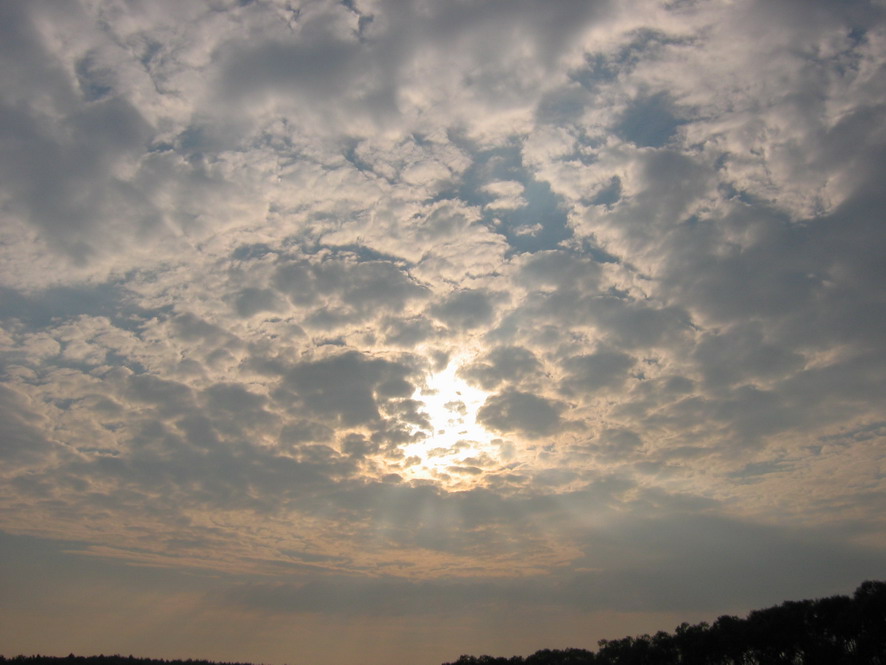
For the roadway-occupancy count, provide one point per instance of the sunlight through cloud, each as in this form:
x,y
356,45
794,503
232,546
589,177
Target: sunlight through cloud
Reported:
x,y
456,438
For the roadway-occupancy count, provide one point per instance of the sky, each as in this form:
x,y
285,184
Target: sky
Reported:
x,y
385,331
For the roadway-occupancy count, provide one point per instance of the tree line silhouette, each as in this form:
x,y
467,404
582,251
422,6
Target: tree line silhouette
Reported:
x,y
102,659
838,630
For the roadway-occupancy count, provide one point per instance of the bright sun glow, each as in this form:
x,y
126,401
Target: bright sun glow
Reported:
x,y
456,438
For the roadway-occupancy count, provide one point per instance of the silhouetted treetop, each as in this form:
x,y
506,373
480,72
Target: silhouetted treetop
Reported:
x,y
837,630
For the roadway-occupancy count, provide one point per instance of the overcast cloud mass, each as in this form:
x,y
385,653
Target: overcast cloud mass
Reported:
x,y
383,331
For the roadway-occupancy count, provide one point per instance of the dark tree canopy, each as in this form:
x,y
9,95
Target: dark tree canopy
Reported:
x,y
838,630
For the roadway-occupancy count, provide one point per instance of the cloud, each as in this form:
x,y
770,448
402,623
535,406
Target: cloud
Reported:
x,y
515,411
505,363
593,372
465,309
22,439
347,387
488,303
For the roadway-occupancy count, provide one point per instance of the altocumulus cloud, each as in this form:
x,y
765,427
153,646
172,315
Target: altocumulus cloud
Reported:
x,y
521,320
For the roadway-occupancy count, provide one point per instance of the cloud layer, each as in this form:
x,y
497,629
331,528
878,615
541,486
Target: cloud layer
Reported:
x,y
377,310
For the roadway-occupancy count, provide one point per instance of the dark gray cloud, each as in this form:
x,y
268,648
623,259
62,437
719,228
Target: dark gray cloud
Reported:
x,y
305,430
741,354
346,388
466,309
505,363
59,159
525,413
345,290
251,301
618,443
407,332
596,371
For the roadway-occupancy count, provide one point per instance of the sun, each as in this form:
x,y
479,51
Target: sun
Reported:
x,y
456,438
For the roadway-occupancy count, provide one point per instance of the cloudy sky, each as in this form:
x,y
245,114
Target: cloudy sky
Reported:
x,y
383,331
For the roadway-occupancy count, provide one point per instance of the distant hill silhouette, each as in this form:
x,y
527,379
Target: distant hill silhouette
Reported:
x,y
838,630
